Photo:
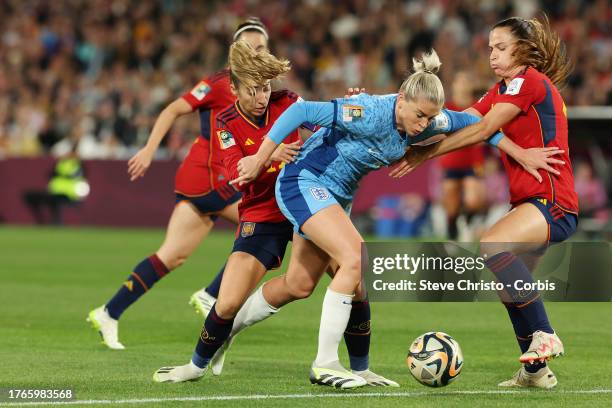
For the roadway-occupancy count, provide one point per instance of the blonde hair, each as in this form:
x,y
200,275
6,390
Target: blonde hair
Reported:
x,y
253,68
538,46
424,83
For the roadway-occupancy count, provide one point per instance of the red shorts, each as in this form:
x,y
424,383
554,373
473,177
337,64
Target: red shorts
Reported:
x,y
199,173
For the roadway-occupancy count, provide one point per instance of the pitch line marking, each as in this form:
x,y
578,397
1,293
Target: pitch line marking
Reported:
x,y
296,396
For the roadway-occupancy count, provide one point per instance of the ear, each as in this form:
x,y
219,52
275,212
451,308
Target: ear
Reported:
x,y
233,89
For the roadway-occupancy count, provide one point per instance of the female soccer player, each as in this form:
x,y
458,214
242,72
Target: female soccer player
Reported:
x,y
360,134
530,59
201,187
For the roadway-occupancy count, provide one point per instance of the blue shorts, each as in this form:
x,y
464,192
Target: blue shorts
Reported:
x,y
213,201
266,241
460,173
561,224
300,195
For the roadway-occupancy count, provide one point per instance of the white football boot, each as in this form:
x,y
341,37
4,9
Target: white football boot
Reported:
x,y
202,302
543,378
544,346
107,327
187,372
334,375
375,380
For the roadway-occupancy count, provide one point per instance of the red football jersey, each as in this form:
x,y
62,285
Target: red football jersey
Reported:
x,y
202,169
238,136
466,158
541,122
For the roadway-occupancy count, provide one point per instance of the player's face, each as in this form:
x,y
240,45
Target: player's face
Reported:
x,y
413,116
501,47
255,39
253,101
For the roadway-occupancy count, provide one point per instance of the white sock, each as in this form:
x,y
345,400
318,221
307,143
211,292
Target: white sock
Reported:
x,y
334,318
254,310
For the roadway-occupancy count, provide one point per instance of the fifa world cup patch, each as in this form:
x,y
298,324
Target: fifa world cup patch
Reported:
x,y
320,193
226,139
200,90
352,112
248,228
515,86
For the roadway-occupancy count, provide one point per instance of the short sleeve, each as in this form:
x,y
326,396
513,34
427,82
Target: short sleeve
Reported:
x,y
200,96
523,92
484,104
230,153
359,115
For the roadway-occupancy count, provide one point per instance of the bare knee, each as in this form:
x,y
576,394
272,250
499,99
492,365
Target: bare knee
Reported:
x,y
227,308
299,288
173,261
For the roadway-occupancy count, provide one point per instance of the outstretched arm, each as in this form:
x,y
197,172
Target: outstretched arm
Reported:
x,y
317,113
531,159
140,162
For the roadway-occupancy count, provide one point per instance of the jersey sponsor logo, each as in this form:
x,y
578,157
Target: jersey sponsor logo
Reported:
x,y
351,112
441,122
320,193
200,90
515,86
226,139
248,228
249,142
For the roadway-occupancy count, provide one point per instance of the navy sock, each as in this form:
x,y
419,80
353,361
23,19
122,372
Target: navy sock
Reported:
x,y
214,333
521,327
144,276
214,286
357,335
508,269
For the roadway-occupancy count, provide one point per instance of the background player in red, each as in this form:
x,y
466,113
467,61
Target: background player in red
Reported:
x,y
531,61
201,187
264,232
462,184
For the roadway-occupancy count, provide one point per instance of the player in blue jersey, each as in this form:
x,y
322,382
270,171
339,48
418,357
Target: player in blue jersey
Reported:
x,y
359,134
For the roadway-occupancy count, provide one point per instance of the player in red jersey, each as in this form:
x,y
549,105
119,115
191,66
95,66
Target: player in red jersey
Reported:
x,y
462,186
201,188
531,61
263,232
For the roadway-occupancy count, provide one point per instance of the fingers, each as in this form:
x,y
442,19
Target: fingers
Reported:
x,y
551,170
550,160
535,174
240,180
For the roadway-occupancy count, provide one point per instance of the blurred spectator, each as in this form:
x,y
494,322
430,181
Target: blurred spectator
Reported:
x,y
107,67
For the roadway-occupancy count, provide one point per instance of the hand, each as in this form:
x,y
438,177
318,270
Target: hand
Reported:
x,y
286,153
354,91
249,168
139,163
540,158
414,157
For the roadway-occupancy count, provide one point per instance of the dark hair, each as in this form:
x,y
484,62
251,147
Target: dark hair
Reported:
x,y
540,47
251,24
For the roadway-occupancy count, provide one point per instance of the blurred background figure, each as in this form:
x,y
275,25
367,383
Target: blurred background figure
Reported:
x,y
462,185
67,187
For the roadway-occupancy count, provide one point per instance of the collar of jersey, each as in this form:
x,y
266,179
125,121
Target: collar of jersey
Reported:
x,y
402,134
249,120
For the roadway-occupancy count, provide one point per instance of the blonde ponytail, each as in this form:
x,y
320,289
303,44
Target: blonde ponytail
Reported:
x,y
424,82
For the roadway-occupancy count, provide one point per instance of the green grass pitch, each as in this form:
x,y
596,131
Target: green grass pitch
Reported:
x,y
50,279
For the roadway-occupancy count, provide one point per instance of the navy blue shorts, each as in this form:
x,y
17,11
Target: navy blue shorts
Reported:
x,y
266,241
460,173
213,201
561,224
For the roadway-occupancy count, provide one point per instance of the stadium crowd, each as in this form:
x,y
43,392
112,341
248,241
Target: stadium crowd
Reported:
x,y
99,72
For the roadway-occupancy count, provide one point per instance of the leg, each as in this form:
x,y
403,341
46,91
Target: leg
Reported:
x,y
451,201
522,229
203,299
186,230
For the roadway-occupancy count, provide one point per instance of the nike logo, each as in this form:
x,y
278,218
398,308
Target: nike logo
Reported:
x,y
344,302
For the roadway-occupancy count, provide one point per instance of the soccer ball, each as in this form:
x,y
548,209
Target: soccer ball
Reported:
x,y
435,359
